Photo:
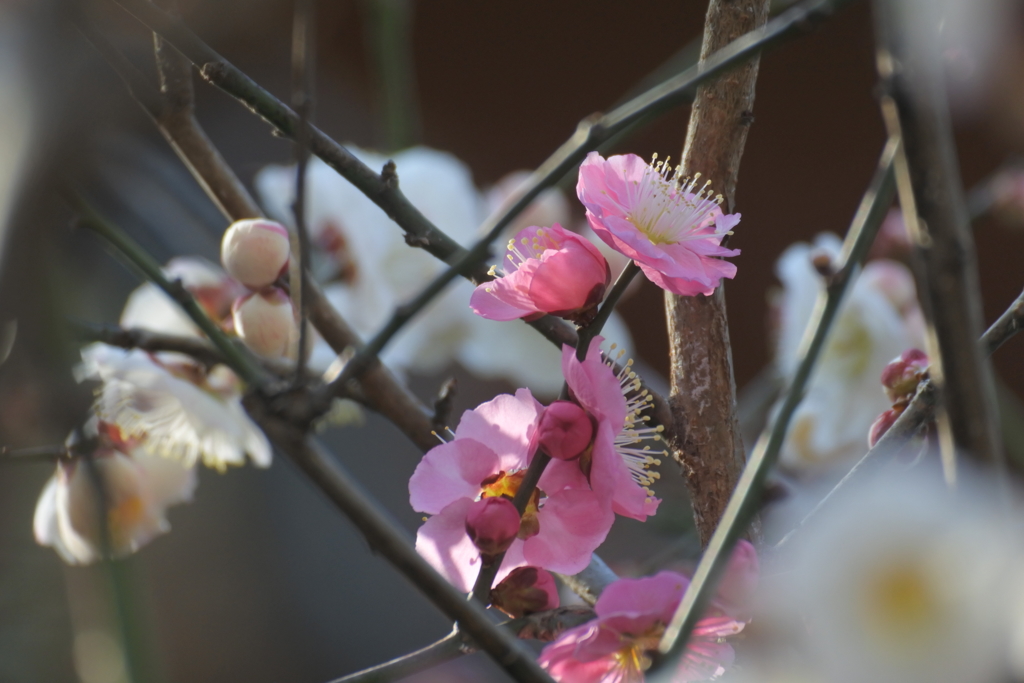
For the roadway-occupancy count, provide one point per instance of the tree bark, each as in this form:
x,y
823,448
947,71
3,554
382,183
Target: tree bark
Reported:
x,y
706,441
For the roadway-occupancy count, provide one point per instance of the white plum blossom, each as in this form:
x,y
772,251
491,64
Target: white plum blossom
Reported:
x,y
174,408
903,580
373,270
138,488
879,320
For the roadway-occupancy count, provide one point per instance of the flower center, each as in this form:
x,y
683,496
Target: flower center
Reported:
x,y
507,485
667,208
528,247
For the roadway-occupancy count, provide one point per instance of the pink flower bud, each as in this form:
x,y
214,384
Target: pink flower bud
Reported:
x,y
524,591
255,251
881,425
265,322
902,375
492,525
564,431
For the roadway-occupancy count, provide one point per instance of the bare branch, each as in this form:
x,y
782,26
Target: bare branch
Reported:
x,y
543,626
746,498
443,405
303,65
153,342
47,454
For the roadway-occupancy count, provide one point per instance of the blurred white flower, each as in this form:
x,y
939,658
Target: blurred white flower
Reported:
x,y
878,321
548,208
373,270
174,408
138,488
905,581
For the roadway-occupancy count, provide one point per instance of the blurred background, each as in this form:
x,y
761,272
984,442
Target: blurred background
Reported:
x,y
261,580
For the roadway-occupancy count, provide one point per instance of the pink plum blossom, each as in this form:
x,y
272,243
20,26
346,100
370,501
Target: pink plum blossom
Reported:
x,y
524,591
614,466
562,525
547,270
672,227
631,618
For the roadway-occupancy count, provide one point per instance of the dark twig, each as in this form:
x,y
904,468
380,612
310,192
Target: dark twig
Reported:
x,y
1008,324
915,108
594,328
443,405
589,134
47,454
448,648
543,626
746,498
303,67
146,340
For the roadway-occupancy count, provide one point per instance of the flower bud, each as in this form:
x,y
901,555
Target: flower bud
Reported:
x,y
524,591
902,375
265,322
881,425
492,525
255,251
565,430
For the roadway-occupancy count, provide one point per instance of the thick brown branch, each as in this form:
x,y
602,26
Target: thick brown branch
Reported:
x,y
706,438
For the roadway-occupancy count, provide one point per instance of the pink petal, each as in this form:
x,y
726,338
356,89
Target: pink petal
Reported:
x,y
500,300
450,472
612,480
442,541
656,596
594,384
506,424
573,524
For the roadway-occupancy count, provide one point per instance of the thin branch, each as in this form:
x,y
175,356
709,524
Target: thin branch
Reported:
x,y
915,109
746,498
303,66
238,357
591,582
543,626
146,340
448,648
47,454
383,188
1008,324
